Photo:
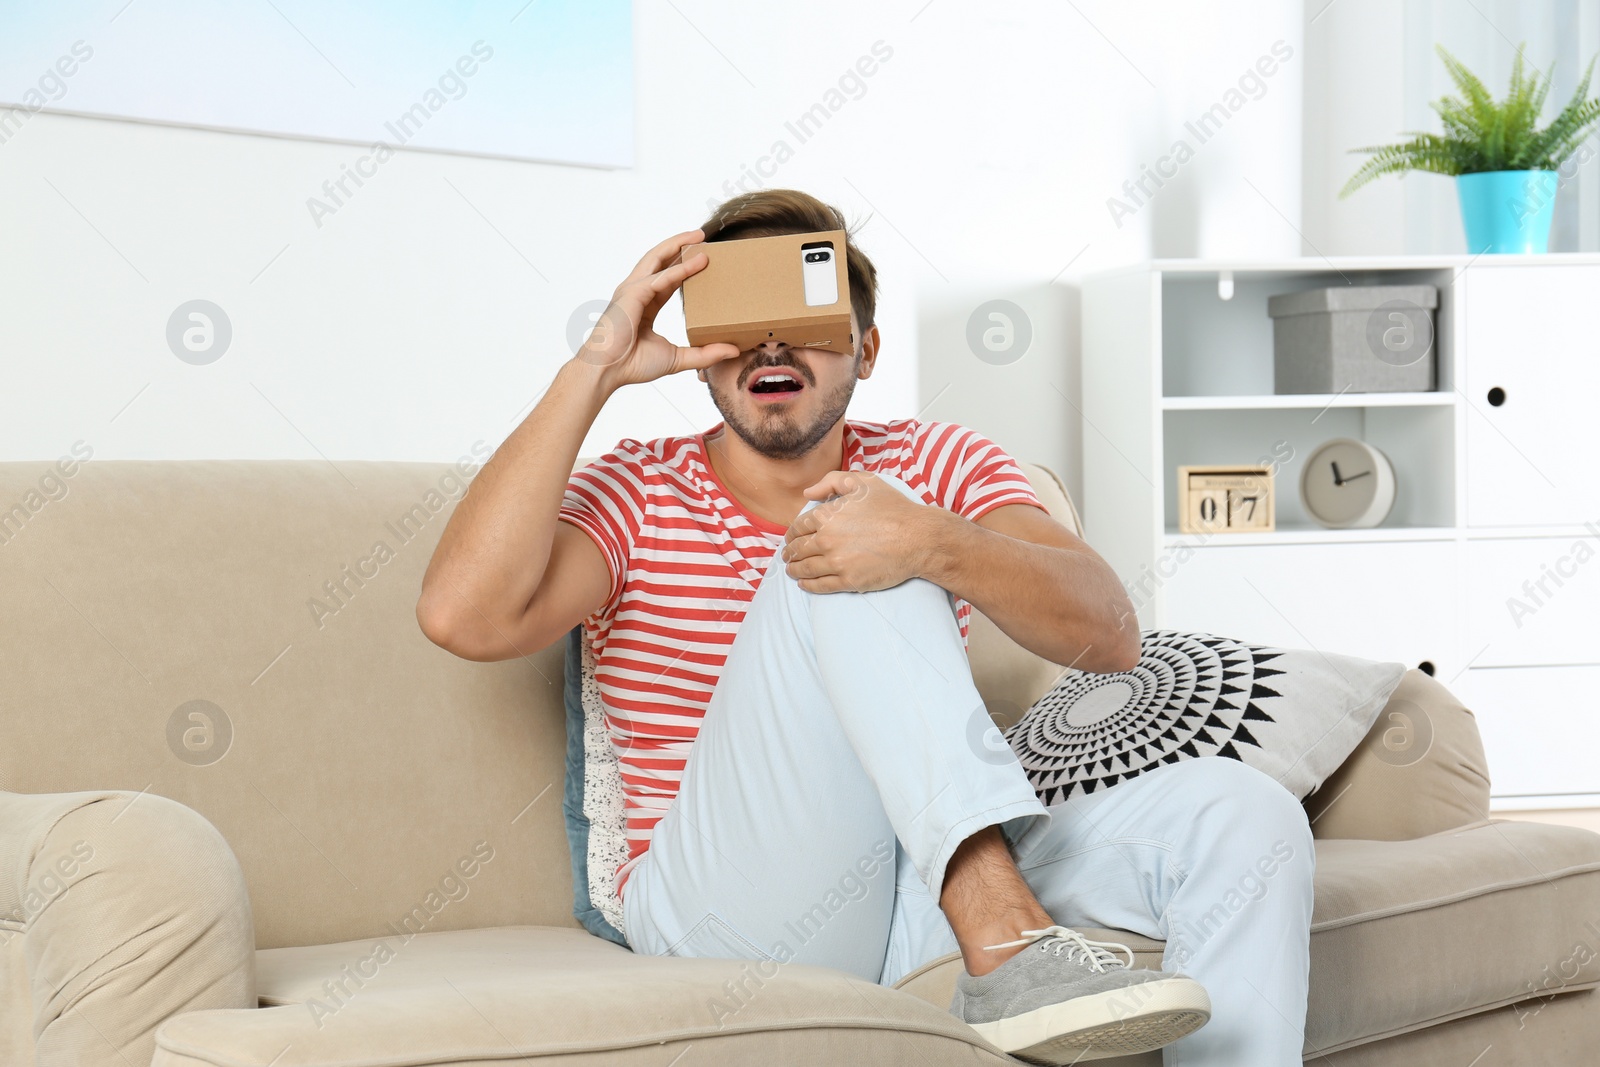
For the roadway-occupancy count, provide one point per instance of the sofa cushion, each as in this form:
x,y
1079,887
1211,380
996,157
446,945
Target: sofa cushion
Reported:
x,y
1408,933
1492,915
555,995
1420,771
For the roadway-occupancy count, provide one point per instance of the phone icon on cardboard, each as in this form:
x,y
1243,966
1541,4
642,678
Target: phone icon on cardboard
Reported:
x,y
819,273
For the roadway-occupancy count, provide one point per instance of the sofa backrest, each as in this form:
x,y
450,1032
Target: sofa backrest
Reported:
x,y
158,613
364,761
240,636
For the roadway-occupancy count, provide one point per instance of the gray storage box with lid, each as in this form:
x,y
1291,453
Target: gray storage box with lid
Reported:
x,y
1361,339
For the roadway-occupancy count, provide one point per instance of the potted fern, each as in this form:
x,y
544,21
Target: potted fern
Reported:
x,y
1505,167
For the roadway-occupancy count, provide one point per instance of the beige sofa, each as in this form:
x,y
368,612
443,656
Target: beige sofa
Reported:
x,y
378,859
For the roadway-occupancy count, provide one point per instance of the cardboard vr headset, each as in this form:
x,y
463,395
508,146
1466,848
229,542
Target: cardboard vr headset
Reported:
x,y
793,288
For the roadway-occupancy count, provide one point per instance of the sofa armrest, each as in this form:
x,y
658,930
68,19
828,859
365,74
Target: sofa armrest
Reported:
x,y
1420,771
118,910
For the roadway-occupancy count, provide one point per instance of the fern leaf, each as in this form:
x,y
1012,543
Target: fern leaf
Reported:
x,y
1482,134
1424,152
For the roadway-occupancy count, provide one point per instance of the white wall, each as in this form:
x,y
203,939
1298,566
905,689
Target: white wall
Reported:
x,y
432,309
1354,96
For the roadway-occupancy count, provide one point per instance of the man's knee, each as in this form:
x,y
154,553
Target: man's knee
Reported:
x,y
889,479
1241,808
918,595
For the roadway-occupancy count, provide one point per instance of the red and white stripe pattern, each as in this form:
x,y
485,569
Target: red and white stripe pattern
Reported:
x,y
685,560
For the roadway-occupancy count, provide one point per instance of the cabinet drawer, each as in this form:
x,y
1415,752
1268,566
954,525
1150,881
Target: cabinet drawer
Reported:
x,y
1540,726
1530,334
1382,601
1532,601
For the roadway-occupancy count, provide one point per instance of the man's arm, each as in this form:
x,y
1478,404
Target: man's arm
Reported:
x,y
508,577
1042,585
1038,582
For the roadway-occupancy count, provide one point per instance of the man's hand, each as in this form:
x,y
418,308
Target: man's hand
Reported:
x,y
624,345
868,537
1034,579
507,576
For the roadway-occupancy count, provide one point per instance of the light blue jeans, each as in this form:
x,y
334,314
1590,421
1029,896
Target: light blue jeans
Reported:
x,y
845,754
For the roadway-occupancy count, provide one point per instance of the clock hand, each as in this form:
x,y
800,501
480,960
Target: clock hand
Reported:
x,y
1336,479
1353,477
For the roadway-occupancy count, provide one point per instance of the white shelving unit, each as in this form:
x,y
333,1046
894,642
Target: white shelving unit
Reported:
x,y
1498,486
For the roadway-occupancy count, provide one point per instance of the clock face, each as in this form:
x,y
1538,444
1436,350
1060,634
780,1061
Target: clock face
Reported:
x,y
1347,483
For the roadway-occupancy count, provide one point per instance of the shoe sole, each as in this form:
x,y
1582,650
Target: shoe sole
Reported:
x,y
1118,1022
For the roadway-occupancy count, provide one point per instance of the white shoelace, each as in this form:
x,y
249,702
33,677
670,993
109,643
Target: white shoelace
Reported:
x,y
1100,955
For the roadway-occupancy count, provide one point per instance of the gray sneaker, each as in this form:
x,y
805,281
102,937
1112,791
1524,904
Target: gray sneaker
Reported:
x,y
1066,999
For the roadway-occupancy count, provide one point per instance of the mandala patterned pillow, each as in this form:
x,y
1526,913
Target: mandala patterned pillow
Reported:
x,y
1296,715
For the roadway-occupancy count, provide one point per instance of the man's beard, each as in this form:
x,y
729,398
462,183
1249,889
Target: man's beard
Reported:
x,y
776,434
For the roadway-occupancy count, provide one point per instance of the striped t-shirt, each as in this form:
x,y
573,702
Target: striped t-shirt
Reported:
x,y
685,559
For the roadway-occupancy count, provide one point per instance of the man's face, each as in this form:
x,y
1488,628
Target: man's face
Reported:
x,y
782,401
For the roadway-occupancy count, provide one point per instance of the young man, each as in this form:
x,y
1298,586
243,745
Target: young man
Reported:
x,y
778,611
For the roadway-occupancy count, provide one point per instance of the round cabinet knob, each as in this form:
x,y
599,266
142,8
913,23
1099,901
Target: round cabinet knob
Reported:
x,y
1497,396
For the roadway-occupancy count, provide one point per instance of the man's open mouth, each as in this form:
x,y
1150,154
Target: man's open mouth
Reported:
x,y
775,383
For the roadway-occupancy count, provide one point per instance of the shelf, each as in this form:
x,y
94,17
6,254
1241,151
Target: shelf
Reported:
x,y
1311,535
1565,532
1308,400
1318,265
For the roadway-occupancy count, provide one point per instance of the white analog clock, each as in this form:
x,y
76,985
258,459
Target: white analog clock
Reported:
x,y
1347,484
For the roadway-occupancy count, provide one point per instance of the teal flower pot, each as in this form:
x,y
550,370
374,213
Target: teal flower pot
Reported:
x,y
1507,210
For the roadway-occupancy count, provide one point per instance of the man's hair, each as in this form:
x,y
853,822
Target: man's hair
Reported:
x,y
771,212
